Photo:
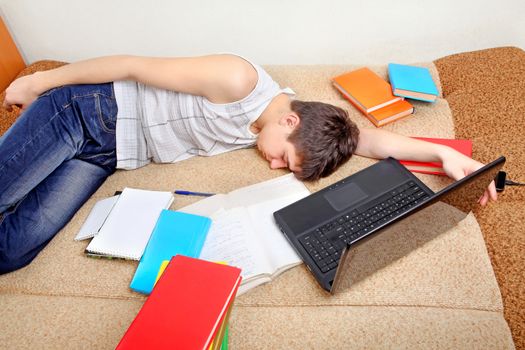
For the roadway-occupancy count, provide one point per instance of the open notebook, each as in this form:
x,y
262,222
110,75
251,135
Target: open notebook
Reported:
x,y
126,230
243,232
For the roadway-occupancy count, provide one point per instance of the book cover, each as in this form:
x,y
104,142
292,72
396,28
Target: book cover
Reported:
x,y
162,267
126,231
412,82
175,233
186,307
95,220
365,89
436,168
222,333
390,113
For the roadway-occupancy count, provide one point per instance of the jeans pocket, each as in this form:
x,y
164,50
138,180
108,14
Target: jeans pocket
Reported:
x,y
106,159
107,112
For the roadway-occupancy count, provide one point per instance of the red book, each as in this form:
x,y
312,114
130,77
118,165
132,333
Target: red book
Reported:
x,y
462,146
435,168
186,307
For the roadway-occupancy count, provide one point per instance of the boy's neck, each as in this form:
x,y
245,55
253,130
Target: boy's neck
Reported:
x,y
278,106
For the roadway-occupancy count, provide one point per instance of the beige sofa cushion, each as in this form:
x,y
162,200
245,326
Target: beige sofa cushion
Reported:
x,y
412,289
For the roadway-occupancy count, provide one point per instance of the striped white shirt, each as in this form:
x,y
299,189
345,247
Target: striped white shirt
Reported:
x,y
166,126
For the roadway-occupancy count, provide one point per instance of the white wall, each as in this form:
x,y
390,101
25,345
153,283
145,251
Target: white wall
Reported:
x,y
268,31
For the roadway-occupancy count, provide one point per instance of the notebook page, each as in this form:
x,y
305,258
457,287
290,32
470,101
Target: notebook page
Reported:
x,y
230,239
281,186
128,227
278,251
206,206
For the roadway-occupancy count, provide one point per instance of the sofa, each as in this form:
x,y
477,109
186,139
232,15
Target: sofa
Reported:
x,y
442,288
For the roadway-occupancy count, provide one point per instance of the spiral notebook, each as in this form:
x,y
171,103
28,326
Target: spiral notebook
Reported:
x,y
129,225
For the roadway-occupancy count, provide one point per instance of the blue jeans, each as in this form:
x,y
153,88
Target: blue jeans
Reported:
x,y
52,159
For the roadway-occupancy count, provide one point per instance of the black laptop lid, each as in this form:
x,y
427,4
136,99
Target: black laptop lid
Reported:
x,y
462,194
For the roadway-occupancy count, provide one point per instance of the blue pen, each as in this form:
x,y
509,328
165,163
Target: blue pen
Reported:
x,y
190,193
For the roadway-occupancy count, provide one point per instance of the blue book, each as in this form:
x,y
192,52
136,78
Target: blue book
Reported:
x,y
412,82
175,233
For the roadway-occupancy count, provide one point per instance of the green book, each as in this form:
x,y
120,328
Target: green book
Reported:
x,y
224,345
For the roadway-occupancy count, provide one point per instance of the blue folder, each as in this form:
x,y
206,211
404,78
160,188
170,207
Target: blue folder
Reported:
x,y
175,233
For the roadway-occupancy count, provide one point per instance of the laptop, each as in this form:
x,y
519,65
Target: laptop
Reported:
x,y
324,226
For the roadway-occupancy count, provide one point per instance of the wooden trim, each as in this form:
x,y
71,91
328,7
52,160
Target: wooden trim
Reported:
x,y
11,62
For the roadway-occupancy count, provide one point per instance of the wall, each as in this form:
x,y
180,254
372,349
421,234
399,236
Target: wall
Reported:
x,y
269,32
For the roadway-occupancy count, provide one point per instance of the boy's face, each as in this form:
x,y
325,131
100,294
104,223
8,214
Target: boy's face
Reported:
x,y
274,146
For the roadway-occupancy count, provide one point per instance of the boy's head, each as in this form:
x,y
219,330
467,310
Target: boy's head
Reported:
x,y
313,139
324,139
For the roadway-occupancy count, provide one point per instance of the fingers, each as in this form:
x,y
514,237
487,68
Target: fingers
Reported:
x,y
484,199
492,191
489,194
7,106
7,103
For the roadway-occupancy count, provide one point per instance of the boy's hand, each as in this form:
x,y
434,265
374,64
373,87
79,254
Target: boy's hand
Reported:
x,y
22,92
457,166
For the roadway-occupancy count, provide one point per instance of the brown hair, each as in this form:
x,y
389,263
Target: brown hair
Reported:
x,y
324,139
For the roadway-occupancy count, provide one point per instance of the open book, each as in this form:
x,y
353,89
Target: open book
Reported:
x,y
243,232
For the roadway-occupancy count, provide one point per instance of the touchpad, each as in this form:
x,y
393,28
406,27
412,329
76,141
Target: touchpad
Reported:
x,y
345,196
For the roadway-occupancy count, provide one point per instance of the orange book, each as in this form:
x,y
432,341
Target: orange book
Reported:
x,y
365,89
390,113
462,146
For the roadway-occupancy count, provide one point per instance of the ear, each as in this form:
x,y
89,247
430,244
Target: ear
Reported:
x,y
290,120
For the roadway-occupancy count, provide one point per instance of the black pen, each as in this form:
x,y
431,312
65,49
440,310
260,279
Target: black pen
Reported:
x,y
190,193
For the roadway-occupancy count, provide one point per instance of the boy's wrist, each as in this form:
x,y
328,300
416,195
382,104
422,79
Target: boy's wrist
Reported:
x,y
443,152
42,82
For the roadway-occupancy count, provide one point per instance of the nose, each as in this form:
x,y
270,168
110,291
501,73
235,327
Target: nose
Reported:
x,y
277,163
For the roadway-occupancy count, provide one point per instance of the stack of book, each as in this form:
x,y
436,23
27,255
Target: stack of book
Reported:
x,y
381,102
187,309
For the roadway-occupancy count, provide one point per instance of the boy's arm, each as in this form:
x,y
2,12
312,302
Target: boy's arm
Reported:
x,y
220,78
379,144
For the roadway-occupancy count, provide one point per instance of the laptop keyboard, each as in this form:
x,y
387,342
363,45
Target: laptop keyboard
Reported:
x,y
326,243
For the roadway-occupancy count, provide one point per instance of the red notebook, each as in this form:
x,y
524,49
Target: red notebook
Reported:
x,y
186,307
462,146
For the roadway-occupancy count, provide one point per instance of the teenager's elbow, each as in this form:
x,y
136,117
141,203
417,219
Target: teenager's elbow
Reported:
x,y
131,67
